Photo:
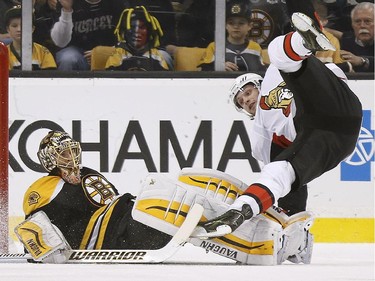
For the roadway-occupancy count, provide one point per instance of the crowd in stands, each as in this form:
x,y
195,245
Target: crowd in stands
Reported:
x,y
165,35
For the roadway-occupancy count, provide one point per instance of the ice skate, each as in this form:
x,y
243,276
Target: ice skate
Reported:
x,y
313,37
224,224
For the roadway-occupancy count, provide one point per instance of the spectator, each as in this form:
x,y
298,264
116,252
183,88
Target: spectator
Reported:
x,y
41,56
339,14
327,56
241,53
358,46
44,13
5,5
82,25
138,36
269,19
195,23
163,11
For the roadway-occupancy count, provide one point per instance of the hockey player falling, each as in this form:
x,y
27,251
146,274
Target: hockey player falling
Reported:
x,y
318,128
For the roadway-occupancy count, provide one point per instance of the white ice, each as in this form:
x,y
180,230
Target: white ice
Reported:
x,y
331,262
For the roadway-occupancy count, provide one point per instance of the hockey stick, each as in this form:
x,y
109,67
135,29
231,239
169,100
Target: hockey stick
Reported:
x,y
132,256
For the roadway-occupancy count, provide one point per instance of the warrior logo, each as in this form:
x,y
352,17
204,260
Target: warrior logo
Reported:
x,y
100,192
278,98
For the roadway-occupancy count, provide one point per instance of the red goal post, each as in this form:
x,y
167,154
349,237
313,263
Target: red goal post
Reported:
x,y
4,148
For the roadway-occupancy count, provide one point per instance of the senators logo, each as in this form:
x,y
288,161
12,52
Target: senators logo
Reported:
x,y
278,98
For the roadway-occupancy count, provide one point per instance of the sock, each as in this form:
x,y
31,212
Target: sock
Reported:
x,y
294,48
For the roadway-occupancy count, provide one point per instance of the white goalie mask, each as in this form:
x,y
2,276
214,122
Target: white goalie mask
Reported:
x,y
59,150
239,84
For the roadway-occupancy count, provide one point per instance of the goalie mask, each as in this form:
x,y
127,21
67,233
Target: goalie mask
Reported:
x,y
59,150
238,86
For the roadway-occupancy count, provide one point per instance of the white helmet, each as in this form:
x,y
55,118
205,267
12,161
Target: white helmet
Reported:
x,y
239,84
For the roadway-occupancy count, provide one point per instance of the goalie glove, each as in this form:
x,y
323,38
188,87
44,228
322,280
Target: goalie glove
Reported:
x,y
43,240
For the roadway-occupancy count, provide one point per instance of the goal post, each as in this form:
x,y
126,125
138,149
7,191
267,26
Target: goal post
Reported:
x,y
4,148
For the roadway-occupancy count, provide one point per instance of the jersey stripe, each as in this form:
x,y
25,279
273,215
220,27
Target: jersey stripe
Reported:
x,y
262,195
288,49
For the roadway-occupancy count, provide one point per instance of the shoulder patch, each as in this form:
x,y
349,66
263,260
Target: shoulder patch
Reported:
x,y
33,198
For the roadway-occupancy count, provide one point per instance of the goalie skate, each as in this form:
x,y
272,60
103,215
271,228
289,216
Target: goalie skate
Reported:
x,y
314,39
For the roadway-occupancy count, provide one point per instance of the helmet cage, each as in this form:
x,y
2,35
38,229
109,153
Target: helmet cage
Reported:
x,y
59,150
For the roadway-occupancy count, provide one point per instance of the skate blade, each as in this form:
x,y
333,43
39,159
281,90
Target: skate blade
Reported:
x,y
303,23
201,233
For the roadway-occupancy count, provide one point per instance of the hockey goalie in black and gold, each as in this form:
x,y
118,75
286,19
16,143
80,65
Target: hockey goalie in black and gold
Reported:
x,y
77,208
83,204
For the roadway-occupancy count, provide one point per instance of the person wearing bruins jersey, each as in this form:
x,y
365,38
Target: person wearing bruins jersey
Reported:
x,y
138,34
42,58
241,54
83,204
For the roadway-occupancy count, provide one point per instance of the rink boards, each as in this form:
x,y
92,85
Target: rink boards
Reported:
x,y
132,127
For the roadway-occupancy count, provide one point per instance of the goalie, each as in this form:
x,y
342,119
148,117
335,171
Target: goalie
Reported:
x,y
75,207
85,209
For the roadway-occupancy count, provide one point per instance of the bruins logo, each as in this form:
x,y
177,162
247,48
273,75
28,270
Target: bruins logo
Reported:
x,y
262,27
33,198
98,190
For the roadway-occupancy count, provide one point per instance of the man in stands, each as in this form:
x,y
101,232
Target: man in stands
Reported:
x,y
80,26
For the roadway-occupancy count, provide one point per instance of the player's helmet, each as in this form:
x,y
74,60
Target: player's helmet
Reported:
x,y
239,84
58,149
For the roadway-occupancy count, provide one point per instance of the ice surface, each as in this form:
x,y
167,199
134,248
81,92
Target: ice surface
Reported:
x,y
331,262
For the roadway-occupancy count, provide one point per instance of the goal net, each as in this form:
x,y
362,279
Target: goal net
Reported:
x,y
4,148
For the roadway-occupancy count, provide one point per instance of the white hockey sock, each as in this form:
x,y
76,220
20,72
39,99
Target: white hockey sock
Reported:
x,y
287,52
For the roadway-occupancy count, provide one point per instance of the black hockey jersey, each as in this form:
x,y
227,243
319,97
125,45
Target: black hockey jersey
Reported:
x,y
91,215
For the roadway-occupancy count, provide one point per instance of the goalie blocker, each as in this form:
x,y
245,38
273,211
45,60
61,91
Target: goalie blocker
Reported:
x,y
267,239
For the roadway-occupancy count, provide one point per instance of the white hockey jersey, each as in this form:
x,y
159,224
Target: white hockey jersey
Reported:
x,y
274,114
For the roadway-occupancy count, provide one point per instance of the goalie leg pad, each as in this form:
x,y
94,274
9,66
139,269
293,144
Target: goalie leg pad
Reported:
x,y
43,240
297,240
257,241
163,202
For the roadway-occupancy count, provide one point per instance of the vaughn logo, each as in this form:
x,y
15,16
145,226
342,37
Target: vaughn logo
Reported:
x,y
223,251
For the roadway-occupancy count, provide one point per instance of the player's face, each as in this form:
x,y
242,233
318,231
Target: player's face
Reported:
x,y
138,34
247,98
68,162
14,29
